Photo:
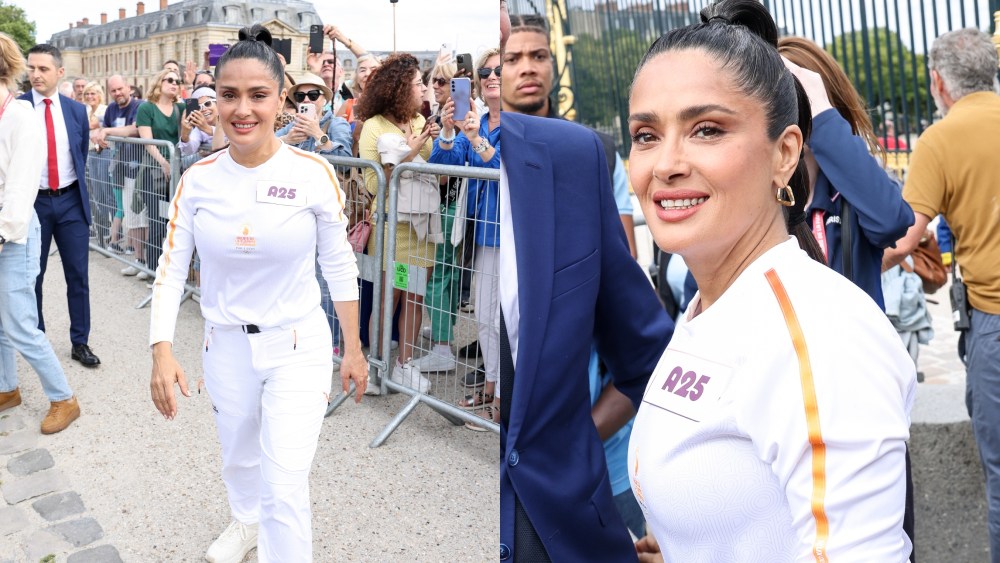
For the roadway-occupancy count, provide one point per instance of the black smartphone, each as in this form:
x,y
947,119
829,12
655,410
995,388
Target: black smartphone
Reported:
x,y
464,62
191,105
316,37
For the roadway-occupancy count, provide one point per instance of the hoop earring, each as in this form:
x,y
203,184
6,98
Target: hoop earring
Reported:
x,y
785,196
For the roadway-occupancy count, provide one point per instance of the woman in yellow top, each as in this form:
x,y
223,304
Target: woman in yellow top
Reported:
x,y
395,132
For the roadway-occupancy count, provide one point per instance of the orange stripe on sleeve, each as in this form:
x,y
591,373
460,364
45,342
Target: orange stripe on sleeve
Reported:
x,y
812,416
333,179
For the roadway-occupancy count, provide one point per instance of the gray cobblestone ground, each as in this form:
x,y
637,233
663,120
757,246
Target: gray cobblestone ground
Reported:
x,y
122,484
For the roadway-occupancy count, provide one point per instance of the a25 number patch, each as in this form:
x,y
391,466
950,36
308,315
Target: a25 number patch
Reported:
x,y
687,385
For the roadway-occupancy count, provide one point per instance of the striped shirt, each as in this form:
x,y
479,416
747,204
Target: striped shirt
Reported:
x,y
774,426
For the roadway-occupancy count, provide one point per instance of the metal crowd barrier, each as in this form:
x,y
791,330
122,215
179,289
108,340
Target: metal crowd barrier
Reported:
x,y
129,196
349,174
409,274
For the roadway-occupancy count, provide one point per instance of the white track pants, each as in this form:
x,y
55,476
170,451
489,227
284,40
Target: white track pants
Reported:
x,y
488,307
269,392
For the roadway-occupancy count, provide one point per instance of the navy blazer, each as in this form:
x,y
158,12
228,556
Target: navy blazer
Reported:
x,y
78,133
577,284
879,215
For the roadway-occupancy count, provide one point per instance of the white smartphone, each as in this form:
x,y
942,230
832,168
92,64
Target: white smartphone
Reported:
x,y
461,92
308,110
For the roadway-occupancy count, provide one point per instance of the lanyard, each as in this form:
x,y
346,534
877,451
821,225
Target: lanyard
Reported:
x,y
819,231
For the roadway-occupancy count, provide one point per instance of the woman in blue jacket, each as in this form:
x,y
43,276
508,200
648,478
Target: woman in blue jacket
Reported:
x,y
478,144
844,173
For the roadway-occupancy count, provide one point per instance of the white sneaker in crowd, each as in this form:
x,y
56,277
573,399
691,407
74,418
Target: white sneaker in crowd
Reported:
x,y
143,276
409,376
441,358
130,271
372,390
233,544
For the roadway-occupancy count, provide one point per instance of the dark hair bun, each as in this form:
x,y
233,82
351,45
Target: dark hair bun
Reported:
x,y
751,14
256,32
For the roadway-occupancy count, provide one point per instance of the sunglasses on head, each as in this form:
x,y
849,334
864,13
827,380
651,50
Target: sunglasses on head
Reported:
x,y
313,95
440,81
170,80
484,72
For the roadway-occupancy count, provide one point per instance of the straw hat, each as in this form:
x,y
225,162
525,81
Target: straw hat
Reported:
x,y
310,81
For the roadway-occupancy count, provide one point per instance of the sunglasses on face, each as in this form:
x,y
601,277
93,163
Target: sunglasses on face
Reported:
x,y
207,104
170,80
330,62
439,81
484,72
313,95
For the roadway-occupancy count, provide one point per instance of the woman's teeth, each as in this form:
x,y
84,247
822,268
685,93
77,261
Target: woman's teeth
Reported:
x,y
682,203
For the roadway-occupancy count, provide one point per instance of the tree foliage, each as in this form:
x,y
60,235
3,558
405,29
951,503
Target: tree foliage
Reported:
x,y
602,74
897,77
14,22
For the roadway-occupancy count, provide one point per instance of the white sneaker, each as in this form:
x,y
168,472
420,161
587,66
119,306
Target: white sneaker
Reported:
x,y
233,544
130,271
435,361
372,390
409,376
143,276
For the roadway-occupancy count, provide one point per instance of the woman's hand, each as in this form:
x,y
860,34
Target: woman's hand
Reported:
x,y
648,550
470,126
432,128
354,367
186,126
305,127
812,83
166,372
448,115
165,166
198,120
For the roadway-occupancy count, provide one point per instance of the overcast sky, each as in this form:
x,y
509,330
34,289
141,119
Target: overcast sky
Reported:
x,y
470,26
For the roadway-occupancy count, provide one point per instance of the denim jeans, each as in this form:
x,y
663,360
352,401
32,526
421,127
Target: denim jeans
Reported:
x,y
19,267
982,397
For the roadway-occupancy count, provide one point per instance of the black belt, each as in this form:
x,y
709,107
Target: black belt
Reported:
x,y
60,191
251,329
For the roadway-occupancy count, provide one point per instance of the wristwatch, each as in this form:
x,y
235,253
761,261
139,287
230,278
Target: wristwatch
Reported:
x,y
481,147
322,141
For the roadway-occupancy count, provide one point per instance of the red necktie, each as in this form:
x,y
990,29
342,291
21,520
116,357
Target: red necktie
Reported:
x,y
50,133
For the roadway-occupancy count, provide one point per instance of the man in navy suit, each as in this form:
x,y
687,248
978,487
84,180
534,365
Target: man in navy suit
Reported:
x,y
62,205
569,280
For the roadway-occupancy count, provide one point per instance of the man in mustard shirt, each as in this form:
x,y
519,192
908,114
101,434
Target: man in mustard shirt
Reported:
x,y
954,171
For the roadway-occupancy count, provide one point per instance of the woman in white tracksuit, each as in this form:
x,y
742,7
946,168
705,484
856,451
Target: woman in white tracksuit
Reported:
x,y
258,214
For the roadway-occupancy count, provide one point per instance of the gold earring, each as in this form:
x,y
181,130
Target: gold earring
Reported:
x,y
785,196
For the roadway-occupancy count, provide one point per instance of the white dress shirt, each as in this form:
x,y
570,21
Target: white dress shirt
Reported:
x,y
508,265
67,172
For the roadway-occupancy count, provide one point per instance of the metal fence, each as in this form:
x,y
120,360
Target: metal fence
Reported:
x,y
882,46
130,195
427,276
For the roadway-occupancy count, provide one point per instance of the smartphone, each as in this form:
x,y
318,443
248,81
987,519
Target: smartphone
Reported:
x,y
461,91
308,109
464,62
316,37
191,105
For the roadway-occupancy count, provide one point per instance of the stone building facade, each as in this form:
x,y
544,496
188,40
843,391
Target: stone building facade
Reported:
x,y
137,46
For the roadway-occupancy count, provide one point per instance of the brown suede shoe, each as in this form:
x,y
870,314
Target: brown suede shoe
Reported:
x,y
61,414
10,399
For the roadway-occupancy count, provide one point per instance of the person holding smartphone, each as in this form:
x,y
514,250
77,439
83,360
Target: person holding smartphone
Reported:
x,y
198,125
478,144
312,130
